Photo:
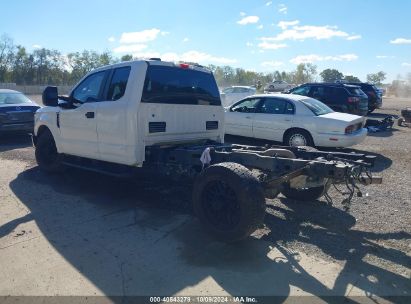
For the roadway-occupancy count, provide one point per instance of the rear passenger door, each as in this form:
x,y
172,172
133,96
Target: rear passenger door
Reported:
x,y
111,117
273,118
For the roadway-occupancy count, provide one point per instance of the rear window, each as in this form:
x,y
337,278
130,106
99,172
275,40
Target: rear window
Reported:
x,y
317,107
354,91
173,85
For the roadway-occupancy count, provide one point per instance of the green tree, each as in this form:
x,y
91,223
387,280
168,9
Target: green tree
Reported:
x,y
6,57
350,78
305,72
331,75
376,78
126,58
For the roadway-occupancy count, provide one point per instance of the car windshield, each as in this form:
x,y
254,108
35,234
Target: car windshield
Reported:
x,y
317,107
13,98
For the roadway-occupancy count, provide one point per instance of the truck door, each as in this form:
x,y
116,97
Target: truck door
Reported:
x,y
78,126
111,118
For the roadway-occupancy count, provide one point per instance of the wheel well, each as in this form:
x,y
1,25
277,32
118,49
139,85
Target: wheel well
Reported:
x,y
288,131
43,129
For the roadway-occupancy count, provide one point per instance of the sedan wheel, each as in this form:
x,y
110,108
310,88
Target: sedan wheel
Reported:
x,y
298,138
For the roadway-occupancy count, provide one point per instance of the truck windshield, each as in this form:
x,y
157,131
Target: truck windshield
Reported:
x,y
174,85
317,107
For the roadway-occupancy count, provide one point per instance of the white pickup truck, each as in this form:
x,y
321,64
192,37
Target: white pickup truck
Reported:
x,y
166,119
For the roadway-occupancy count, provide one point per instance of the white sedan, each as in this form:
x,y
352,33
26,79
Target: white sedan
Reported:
x,y
294,120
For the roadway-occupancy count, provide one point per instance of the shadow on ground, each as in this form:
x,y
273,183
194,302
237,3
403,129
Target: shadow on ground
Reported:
x,y
14,141
138,238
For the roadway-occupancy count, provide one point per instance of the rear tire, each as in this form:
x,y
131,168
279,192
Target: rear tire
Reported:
x,y
298,137
229,201
47,157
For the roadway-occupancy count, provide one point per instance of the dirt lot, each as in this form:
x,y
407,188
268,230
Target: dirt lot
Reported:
x,y
80,233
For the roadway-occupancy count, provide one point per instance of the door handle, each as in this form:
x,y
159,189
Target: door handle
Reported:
x,y
89,114
248,117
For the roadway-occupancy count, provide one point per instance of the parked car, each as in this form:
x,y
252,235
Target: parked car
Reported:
x,y
294,120
16,112
277,86
235,93
340,97
374,95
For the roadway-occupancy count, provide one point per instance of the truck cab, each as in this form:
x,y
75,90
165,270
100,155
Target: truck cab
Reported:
x,y
116,111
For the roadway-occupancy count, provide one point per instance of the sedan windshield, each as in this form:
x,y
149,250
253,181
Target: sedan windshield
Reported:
x,y
317,107
13,98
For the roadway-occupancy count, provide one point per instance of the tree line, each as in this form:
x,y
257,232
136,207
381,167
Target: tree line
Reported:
x,y
44,66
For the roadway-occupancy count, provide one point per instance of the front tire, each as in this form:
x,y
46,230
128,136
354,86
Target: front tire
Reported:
x,y
298,137
229,201
47,157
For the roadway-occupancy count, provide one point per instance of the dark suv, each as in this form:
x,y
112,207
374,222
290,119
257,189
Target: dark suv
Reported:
x,y
374,96
340,97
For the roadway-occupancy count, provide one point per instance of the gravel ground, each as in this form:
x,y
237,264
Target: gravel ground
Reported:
x,y
373,238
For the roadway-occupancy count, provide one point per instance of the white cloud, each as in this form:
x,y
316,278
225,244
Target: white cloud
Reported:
x,y
249,44
186,39
271,46
248,20
111,39
131,48
36,46
406,64
269,3
400,41
164,33
190,56
285,24
307,32
354,37
242,14
383,56
313,58
272,64
282,9
140,37
260,27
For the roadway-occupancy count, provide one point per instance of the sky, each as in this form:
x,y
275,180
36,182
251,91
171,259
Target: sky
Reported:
x,y
357,37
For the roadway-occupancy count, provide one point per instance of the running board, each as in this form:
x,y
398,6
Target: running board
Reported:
x,y
115,170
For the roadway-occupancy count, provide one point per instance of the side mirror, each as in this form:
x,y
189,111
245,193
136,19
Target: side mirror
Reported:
x,y
50,96
65,104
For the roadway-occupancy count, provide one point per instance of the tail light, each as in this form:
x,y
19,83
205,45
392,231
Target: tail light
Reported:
x,y
372,93
184,65
353,99
349,129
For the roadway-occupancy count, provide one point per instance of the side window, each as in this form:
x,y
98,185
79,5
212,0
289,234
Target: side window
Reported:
x,y
273,106
318,92
236,90
228,90
246,106
289,108
118,83
89,89
301,91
